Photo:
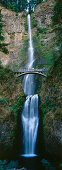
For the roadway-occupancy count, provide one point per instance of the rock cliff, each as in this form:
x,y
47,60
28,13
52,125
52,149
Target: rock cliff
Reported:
x,y
11,91
11,105
13,33
51,90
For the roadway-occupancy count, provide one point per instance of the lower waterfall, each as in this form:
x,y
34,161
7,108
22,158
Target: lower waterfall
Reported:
x,y
30,117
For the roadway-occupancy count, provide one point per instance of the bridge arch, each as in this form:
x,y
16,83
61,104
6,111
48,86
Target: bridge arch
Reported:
x,y
31,72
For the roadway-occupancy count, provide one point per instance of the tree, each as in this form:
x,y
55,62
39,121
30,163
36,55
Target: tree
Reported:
x,y
15,5
57,20
2,45
18,5
57,25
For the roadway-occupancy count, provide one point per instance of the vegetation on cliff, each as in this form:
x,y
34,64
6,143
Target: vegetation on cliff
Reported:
x,y
19,5
11,104
51,92
11,93
52,86
2,45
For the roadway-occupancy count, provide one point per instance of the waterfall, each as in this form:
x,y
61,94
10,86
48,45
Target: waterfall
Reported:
x,y
30,117
29,79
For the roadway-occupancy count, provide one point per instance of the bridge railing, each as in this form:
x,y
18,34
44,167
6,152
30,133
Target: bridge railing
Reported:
x,y
29,70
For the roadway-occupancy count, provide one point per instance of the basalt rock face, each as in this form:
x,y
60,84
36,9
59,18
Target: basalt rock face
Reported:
x,y
43,13
13,33
11,91
51,109
50,102
11,105
43,37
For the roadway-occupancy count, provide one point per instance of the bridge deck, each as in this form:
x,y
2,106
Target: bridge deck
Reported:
x,y
22,72
29,70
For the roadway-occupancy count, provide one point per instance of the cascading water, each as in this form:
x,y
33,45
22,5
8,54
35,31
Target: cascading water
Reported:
x,y
30,117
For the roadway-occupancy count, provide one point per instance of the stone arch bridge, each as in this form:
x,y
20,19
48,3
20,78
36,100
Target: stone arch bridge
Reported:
x,y
30,71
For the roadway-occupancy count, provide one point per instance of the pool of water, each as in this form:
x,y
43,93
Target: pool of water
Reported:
x,y
29,155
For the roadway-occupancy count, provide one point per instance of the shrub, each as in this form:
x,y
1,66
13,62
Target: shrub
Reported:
x,y
33,21
41,30
2,45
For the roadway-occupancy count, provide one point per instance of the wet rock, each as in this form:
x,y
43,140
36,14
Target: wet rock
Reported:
x,y
45,162
23,168
18,169
60,165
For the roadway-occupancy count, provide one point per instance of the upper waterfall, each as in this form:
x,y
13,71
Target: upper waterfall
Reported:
x,y
29,79
30,49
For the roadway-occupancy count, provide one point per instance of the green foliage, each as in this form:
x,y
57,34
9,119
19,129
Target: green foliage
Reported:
x,y
5,165
34,24
33,21
39,1
47,105
3,101
26,25
57,21
13,6
2,45
1,27
57,25
57,17
2,164
4,72
11,102
42,52
19,5
3,48
53,103
41,30
16,108
23,53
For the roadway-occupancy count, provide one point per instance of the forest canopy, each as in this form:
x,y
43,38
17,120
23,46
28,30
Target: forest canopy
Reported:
x,y
19,5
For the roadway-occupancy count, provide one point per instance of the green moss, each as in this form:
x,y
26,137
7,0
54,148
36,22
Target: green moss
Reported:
x,y
23,53
58,114
16,108
3,101
26,25
47,105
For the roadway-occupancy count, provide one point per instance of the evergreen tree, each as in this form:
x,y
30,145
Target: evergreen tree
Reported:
x,y
1,26
57,12
57,25
57,21
39,1
18,5
2,45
